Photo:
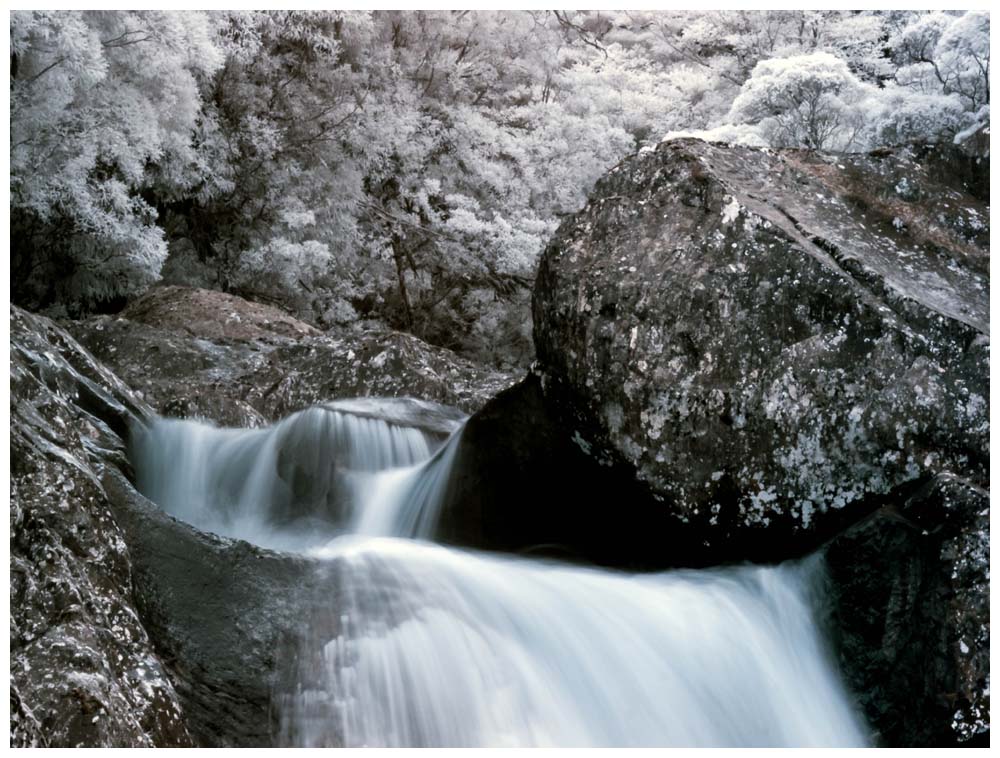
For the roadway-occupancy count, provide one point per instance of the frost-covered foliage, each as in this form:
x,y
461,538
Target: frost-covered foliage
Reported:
x,y
104,106
941,52
867,80
803,100
947,57
897,115
409,166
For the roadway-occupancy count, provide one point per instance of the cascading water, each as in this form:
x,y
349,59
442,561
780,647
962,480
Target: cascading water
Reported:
x,y
405,502
437,646
442,647
290,486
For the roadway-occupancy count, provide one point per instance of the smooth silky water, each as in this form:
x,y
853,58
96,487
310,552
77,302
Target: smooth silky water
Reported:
x,y
290,486
438,646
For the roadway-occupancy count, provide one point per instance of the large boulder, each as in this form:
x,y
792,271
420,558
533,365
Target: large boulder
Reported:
x,y
522,482
200,353
213,315
771,339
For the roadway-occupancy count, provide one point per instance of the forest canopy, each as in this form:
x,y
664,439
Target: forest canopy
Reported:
x,y
408,167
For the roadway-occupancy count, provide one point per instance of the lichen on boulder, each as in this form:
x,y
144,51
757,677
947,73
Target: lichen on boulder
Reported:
x,y
771,338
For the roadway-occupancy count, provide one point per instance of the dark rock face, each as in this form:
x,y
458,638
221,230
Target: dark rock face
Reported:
x,y
197,353
129,628
226,615
83,669
770,338
910,598
521,483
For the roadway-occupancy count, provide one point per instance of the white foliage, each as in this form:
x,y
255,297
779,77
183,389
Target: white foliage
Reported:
x,y
980,123
281,266
897,115
803,101
327,156
99,98
946,53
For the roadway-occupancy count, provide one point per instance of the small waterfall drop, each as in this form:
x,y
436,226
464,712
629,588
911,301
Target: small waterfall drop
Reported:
x,y
290,486
435,646
406,502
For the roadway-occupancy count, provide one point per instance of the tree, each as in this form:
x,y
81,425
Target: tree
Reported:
x,y
803,101
279,132
942,52
897,116
462,187
409,167
103,108
947,54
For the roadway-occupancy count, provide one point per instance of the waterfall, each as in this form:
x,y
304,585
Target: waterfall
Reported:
x,y
443,647
436,646
290,486
405,502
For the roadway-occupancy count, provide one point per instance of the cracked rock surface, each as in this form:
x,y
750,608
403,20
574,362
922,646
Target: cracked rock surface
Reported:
x,y
771,338
83,668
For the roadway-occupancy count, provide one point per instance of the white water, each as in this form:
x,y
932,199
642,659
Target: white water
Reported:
x,y
405,501
442,647
438,646
290,486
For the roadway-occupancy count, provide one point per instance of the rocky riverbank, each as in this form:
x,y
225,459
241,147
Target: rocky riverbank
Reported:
x,y
742,355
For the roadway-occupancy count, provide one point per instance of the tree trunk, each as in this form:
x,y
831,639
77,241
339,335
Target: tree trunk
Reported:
x,y
398,255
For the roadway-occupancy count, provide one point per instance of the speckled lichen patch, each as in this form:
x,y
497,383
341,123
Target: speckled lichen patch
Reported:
x,y
758,313
83,670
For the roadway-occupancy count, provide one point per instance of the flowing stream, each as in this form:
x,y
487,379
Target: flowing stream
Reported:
x,y
438,646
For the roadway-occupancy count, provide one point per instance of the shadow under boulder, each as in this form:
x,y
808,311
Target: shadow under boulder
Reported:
x,y
523,482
